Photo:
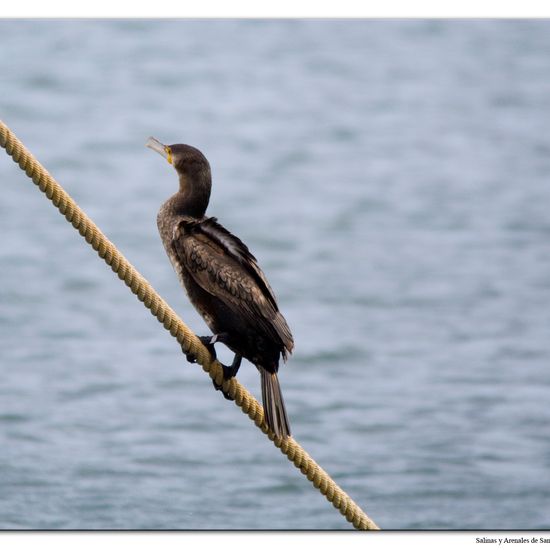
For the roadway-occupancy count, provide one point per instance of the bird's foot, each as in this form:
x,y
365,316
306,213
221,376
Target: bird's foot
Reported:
x,y
228,373
208,343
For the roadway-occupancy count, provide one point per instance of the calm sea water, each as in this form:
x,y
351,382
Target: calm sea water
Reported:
x,y
392,177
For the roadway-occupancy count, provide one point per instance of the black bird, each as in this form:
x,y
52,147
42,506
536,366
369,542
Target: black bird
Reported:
x,y
223,280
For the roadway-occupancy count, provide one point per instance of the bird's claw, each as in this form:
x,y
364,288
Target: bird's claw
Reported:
x,y
228,373
208,343
219,387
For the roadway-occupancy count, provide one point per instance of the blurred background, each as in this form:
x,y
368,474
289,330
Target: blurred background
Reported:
x,y
391,176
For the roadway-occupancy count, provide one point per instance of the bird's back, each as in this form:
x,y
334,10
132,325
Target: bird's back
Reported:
x,y
226,285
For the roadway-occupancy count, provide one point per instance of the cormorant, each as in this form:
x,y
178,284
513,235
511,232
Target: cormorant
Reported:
x,y
223,280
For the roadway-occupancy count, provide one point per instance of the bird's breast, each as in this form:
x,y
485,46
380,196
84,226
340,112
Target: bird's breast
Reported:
x,y
167,223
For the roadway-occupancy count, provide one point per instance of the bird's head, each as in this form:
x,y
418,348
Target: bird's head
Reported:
x,y
187,160
193,170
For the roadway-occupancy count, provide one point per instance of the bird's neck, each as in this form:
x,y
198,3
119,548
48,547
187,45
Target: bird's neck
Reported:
x,y
192,198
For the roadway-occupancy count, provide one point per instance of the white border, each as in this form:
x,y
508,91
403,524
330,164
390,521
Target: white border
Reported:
x,y
249,9
275,9
351,540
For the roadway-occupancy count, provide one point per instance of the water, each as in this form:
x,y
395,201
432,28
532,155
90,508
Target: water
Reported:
x,y
392,179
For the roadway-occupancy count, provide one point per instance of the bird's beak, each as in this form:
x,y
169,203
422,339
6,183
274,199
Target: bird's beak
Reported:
x,y
160,148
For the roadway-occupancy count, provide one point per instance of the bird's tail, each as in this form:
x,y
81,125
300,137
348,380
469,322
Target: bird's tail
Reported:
x,y
274,406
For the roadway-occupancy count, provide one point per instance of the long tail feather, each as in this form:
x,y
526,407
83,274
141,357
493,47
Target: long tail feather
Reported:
x,y
274,405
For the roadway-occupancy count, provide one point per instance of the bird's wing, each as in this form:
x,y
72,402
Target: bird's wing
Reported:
x,y
239,251
223,266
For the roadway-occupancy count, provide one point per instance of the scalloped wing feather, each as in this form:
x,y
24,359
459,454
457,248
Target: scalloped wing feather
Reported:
x,y
222,265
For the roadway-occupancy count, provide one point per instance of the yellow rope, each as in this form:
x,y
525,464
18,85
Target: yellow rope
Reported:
x,y
177,328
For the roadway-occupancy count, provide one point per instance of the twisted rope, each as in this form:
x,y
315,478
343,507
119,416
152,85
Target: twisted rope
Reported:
x,y
177,328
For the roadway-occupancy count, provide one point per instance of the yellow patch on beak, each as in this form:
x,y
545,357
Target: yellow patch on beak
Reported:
x,y
168,154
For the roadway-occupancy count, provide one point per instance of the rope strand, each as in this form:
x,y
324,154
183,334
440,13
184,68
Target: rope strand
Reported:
x,y
177,328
